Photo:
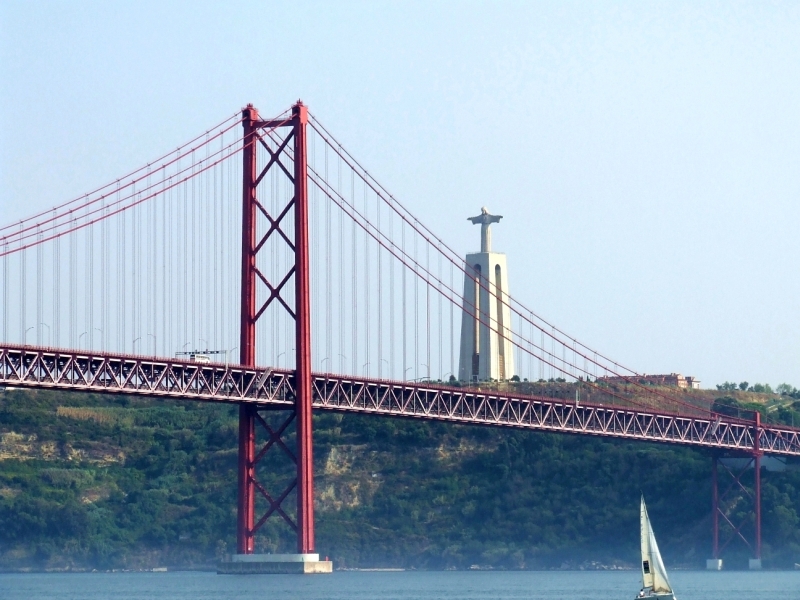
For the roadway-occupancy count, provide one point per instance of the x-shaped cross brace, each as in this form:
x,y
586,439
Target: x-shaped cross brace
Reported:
x,y
275,504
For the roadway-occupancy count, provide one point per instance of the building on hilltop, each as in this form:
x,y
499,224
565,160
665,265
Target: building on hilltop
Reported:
x,y
672,380
486,351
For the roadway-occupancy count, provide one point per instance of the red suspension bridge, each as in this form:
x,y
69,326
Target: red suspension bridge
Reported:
x,y
321,291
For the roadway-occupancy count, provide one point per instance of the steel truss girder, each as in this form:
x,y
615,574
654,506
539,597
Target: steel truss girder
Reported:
x,y
547,414
139,376
31,367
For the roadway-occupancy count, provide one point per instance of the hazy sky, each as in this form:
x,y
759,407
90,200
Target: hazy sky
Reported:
x,y
645,155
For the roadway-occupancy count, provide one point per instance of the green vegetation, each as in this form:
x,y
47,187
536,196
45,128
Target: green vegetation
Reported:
x,y
112,482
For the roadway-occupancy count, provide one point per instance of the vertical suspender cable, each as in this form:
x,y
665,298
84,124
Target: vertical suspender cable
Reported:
x,y
23,295
315,260
530,356
367,290
391,298
150,249
39,277
72,278
328,270
193,252
452,333
5,290
205,268
170,241
90,288
354,250
220,279
427,311
215,283
183,250
380,283
341,293
165,307
416,306
56,342
404,269
120,274
123,278
439,319
541,363
103,275
135,272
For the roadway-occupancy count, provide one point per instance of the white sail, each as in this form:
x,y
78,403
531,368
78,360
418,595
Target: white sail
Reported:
x,y
654,575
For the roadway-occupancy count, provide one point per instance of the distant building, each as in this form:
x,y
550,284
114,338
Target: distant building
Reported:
x,y
672,380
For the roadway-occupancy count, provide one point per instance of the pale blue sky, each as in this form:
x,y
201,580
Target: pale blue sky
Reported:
x,y
645,154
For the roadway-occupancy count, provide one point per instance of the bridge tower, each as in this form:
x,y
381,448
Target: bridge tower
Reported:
x,y
486,349
246,560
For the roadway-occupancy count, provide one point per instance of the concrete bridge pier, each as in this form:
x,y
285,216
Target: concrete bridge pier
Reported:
x,y
274,564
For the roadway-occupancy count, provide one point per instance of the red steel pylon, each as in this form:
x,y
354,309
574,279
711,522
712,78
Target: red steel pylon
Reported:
x,y
254,131
722,502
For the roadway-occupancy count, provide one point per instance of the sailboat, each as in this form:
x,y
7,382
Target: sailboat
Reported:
x,y
655,584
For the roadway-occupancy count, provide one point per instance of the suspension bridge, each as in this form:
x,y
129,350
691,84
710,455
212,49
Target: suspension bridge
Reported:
x,y
267,242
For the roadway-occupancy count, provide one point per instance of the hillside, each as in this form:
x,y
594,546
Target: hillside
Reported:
x,y
112,482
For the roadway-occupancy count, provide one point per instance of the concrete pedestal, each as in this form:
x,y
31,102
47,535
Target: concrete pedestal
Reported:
x,y
253,564
755,564
714,564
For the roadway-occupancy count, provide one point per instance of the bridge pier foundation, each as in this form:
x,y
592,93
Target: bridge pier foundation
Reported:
x,y
274,564
714,564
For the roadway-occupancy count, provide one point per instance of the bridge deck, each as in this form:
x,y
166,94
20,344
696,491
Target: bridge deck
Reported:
x,y
47,368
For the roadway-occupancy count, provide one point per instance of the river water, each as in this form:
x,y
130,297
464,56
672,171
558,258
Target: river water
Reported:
x,y
415,585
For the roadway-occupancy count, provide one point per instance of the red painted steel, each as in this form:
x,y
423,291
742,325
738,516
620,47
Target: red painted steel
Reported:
x,y
714,508
757,486
245,541
247,340
301,312
69,370
305,461
245,514
724,502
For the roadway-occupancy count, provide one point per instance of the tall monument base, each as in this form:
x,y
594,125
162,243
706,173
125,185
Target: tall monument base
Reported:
x,y
274,564
487,351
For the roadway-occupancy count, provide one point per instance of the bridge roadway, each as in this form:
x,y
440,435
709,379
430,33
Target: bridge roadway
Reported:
x,y
47,368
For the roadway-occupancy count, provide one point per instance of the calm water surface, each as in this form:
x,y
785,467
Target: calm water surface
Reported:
x,y
620,585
